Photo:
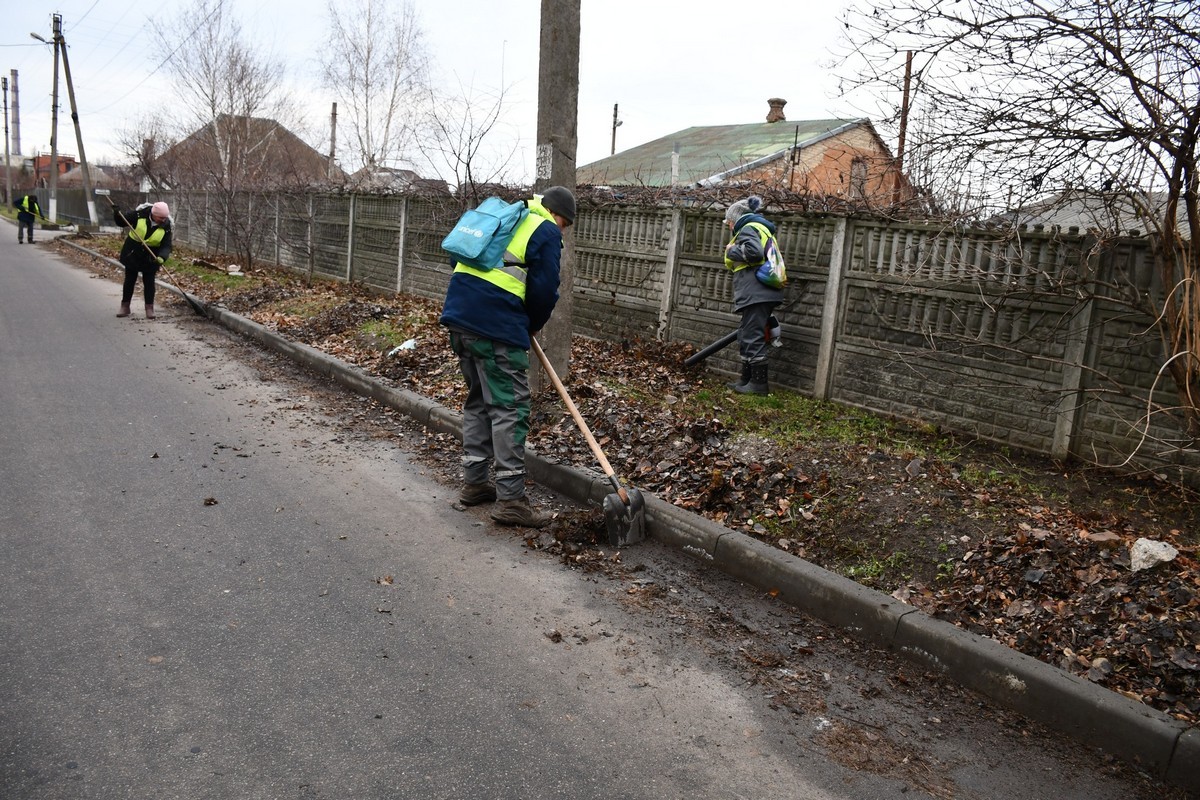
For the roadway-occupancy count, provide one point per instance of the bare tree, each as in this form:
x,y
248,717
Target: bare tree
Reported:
x,y
143,142
233,145
461,140
1018,99
376,65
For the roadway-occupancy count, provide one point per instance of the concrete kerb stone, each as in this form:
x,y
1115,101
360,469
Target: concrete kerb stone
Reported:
x,y
865,613
1089,713
1184,769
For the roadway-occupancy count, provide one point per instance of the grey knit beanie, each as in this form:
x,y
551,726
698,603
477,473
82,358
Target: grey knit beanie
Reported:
x,y
743,207
559,200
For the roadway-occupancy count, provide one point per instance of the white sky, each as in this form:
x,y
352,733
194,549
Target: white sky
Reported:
x,y
669,65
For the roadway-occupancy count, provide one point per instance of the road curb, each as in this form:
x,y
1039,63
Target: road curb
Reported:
x,y
1091,714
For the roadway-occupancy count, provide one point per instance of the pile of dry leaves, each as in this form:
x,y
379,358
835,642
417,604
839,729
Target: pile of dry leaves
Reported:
x,y
1012,548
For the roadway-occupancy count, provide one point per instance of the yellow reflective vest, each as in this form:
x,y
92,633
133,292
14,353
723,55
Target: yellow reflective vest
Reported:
x,y
138,233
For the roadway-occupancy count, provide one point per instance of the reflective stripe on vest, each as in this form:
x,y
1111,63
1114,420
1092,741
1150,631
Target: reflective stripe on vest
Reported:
x,y
763,235
511,276
138,233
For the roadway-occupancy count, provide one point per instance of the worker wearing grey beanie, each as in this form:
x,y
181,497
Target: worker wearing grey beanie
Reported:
x,y
752,299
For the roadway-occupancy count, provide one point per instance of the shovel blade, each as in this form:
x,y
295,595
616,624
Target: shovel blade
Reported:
x,y
626,523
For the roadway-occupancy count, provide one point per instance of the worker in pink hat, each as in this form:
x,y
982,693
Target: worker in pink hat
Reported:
x,y
146,248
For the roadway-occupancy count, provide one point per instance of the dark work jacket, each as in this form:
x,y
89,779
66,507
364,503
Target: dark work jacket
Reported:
x,y
133,252
746,248
34,209
478,307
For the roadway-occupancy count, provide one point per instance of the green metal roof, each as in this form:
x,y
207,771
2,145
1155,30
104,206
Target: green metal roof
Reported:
x,y
706,152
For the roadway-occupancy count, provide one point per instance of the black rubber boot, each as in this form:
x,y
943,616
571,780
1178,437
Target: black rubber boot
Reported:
x,y
737,385
758,380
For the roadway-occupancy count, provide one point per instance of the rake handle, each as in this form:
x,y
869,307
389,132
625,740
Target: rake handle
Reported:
x,y
583,426
154,255
127,225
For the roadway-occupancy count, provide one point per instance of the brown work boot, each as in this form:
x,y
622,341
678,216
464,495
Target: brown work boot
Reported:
x,y
124,312
474,494
149,310
518,512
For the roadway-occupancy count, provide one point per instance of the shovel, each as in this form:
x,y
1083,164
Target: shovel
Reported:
x,y
195,306
624,510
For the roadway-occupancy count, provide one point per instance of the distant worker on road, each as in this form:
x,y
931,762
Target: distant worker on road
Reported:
x,y
28,211
146,248
491,315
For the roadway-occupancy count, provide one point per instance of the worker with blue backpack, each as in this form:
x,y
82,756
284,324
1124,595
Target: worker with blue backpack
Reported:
x,y
759,276
491,311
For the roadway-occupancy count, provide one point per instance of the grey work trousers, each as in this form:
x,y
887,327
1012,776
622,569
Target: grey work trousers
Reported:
x,y
496,412
752,332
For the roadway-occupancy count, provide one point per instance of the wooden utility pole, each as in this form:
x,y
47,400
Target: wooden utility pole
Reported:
x,y
557,139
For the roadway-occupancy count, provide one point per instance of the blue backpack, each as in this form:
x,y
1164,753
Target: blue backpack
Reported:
x,y
481,235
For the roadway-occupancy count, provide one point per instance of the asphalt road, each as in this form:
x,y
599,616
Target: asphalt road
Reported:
x,y
207,590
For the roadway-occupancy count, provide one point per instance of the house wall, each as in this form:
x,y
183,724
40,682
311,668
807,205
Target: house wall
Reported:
x,y
827,168
1010,337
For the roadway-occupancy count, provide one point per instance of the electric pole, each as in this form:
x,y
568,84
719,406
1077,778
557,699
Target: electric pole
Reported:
x,y
557,139
616,124
53,128
903,129
332,141
83,164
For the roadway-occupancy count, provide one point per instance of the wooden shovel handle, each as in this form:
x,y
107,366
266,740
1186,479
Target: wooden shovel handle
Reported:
x,y
562,392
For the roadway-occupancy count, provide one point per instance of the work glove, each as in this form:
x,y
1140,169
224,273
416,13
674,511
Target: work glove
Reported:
x,y
160,260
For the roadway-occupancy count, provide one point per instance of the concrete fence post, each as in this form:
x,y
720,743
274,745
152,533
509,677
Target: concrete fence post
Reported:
x,y
350,239
400,248
670,276
839,262
1075,355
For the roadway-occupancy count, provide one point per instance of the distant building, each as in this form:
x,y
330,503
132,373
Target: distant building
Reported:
x,y
1096,211
392,179
841,158
40,165
239,152
101,176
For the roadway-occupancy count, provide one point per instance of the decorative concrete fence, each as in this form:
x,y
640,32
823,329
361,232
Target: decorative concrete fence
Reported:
x,y
1027,338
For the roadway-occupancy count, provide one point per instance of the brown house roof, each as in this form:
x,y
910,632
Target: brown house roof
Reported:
x,y
258,153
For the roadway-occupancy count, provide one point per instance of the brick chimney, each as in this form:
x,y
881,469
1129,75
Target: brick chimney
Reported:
x,y
776,112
